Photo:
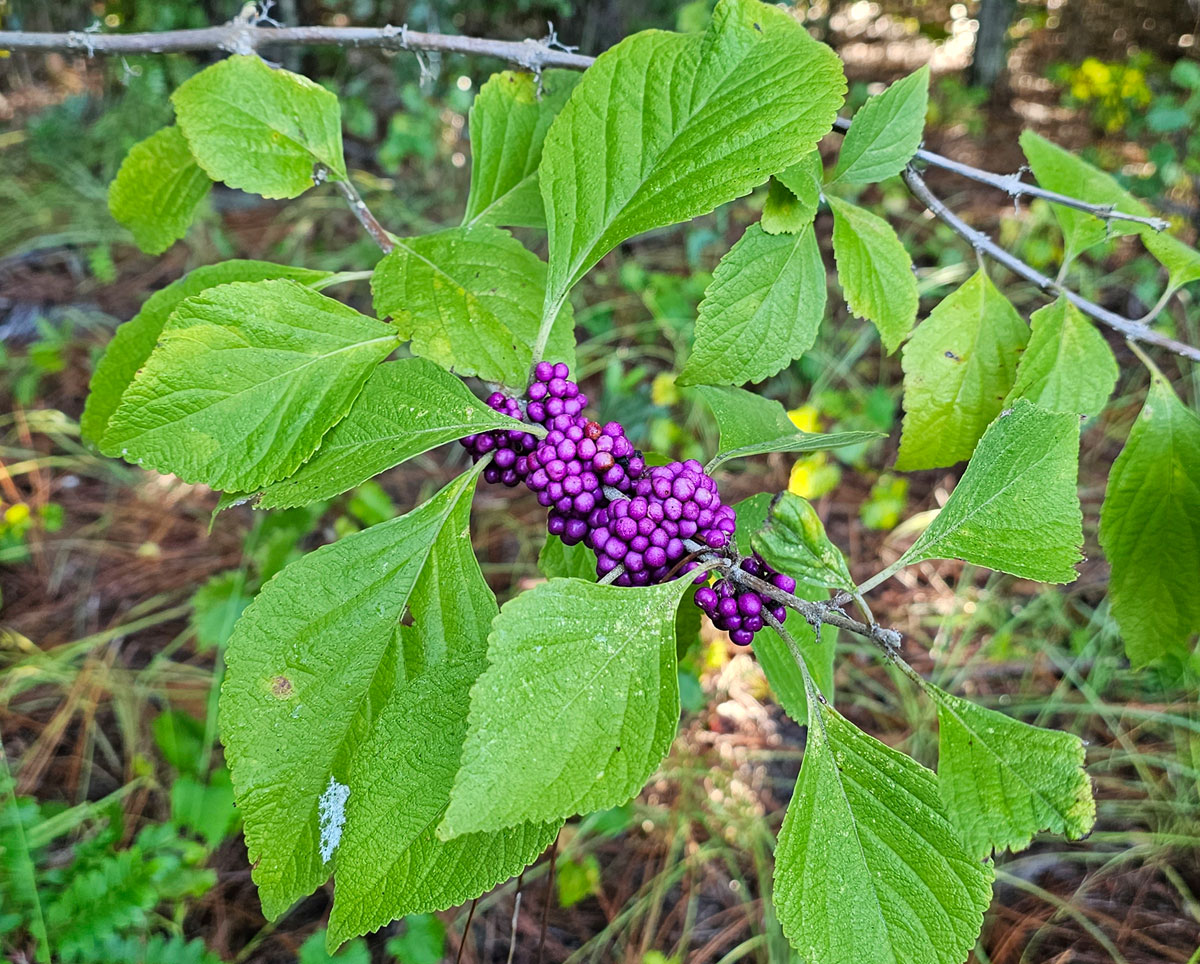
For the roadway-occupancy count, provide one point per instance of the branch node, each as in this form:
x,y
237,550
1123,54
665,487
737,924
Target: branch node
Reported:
x,y
889,637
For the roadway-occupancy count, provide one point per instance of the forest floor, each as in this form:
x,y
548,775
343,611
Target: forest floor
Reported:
x,y
98,632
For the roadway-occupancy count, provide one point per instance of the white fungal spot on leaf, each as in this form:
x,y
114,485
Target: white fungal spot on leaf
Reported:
x,y
331,815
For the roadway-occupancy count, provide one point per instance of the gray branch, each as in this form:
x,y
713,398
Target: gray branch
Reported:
x,y
1131,329
242,37
247,35
814,613
1014,187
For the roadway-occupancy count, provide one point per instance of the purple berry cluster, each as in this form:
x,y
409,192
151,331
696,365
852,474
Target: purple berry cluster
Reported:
x,y
651,522
648,533
578,459
738,609
510,465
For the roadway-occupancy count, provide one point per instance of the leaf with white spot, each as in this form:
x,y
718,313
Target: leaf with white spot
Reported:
x,y
331,817
365,717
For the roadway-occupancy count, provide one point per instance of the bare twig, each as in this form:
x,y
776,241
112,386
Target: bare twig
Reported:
x,y
359,207
241,37
1133,330
1014,187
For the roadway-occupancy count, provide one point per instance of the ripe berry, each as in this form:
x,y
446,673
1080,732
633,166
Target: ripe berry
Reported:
x,y
739,609
691,505
511,446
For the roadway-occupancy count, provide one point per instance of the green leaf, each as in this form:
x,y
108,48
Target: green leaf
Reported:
x,y
761,310
664,127
1150,529
314,951
577,880
136,338
886,132
216,606
405,408
1003,780
509,120
365,718
793,540
751,425
1059,170
245,381
1068,366
423,941
204,808
868,869
1016,508
751,516
958,367
1181,261
258,129
390,861
773,654
803,179
471,300
785,213
874,270
157,189
571,562
577,708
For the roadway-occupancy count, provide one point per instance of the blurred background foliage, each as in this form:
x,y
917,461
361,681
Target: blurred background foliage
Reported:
x,y
118,838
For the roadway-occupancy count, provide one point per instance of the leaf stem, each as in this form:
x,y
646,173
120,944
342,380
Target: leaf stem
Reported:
x,y
549,317
341,277
368,220
883,576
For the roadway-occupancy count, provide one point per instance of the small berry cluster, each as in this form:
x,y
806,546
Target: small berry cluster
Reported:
x,y
512,446
652,523
738,609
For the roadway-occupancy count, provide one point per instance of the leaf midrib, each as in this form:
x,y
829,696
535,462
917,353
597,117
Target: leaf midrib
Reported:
x,y
223,397
649,171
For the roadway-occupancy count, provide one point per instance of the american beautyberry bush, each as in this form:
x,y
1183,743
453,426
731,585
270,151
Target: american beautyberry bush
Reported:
x,y
387,724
